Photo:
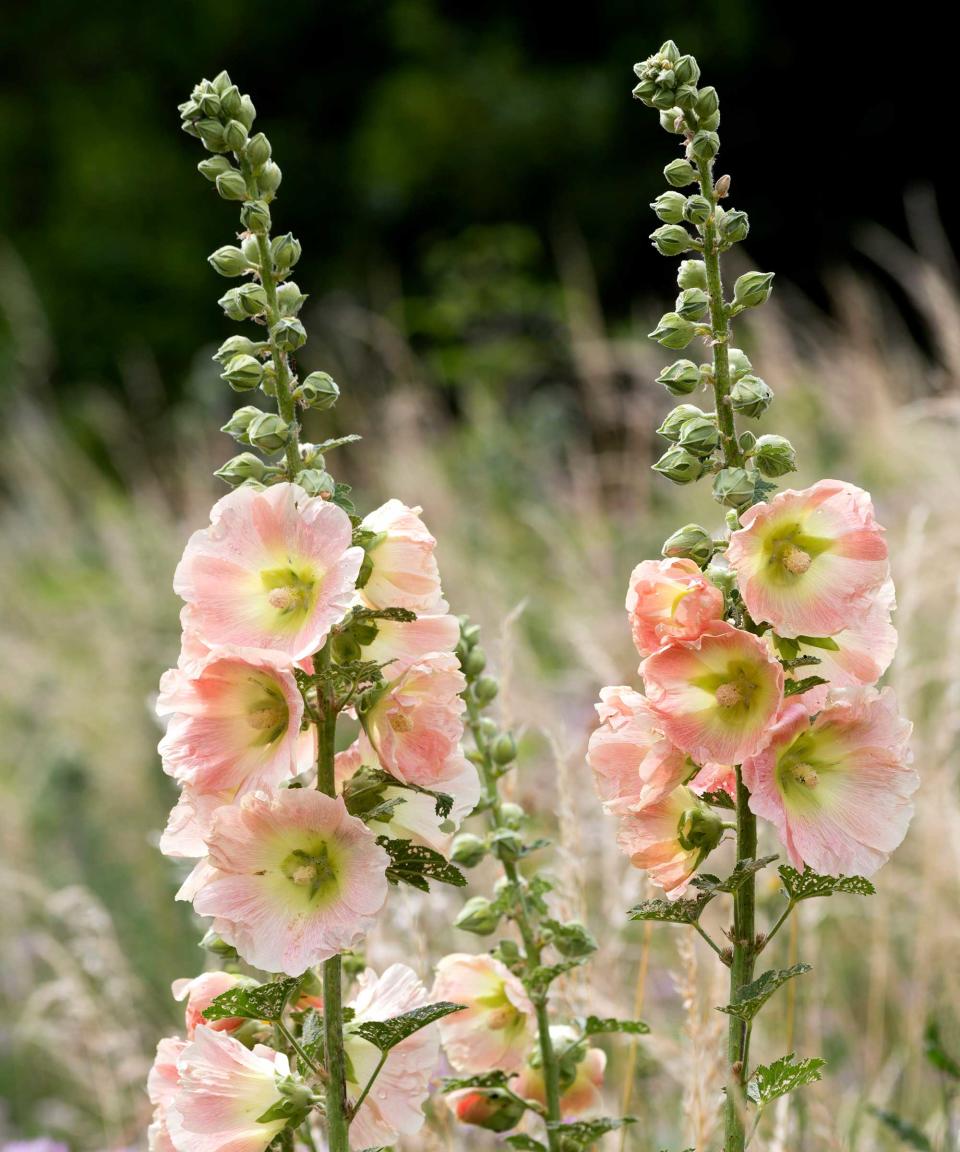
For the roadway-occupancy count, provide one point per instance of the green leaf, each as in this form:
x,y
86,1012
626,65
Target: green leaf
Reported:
x,y
782,1076
398,615
752,997
762,489
311,1034
827,643
338,442
584,1133
602,1026
363,792
570,939
741,873
387,1034
936,1054
417,865
481,1080
526,1143
808,884
259,1002
719,799
681,911
539,979
908,1133
796,687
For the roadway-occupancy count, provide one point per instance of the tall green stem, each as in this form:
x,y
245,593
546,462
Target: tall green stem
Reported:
x,y
744,901
336,1094
524,920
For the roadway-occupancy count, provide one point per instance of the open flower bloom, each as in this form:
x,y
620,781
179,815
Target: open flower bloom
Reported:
x,y
633,763
416,725
670,600
224,1088
234,720
716,697
403,570
863,651
394,1106
670,839
497,1025
715,778
837,785
275,569
292,878
808,561
200,993
397,645
581,1096
162,1082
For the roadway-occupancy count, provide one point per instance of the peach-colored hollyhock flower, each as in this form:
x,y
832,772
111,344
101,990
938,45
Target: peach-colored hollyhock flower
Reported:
x,y
837,785
292,878
670,600
715,697
394,1106
670,839
224,1088
582,1096
715,778
275,569
234,720
404,570
398,645
200,993
416,724
864,651
633,763
162,1082
497,1025
809,561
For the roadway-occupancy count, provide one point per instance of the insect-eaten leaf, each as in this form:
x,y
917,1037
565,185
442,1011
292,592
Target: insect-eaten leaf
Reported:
x,y
480,1080
540,979
752,997
364,791
808,884
798,687
417,865
583,1134
601,1026
387,1034
771,1081
681,911
570,939
256,1002
526,1143
741,873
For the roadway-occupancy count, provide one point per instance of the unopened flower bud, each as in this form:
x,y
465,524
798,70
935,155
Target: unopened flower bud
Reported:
x,y
669,51
506,845
246,114
689,543
722,187
478,916
680,378
255,217
692,274
710,123
236,346
687,70
318,390
700,828
775,456
513,816
708,102
230,101
239,423
704,146
699,436
490,1108
285,251
679,465
673,331
253,299
235,135
221,82
243,373
734,226
214,166
753,289
468,850
504,751
675,419
475,662
680,173
739,363
692,303
209,102
289,299
228,261
242,468
750,396
697,209
669,207
231,304
258,150
486,689
289,334
317,482
268,179
211,942
671,120
665,95
733,487
685,98
644,91
269,432
211,135
232,186
746,440
671,240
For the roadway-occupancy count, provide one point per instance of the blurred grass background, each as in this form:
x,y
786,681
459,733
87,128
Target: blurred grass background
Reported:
x,y
470,187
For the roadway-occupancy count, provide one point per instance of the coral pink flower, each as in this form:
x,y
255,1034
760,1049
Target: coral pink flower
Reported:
x,y
716,697
670,600
234,720
404,570
497,1025
396,645
416,725
200,993
809,561
394,1107
863,651
837,785
633,764
715,778
670,839
582,1097
162,1083
294,878
224,1088
275,569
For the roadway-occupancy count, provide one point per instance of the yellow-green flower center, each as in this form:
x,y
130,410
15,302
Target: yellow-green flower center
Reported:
x,y
291,591
311,869
795,559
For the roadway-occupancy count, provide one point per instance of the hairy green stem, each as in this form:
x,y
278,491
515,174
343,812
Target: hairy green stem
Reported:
x,y
524,920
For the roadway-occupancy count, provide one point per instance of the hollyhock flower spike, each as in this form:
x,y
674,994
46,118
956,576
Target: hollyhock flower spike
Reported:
x,y
496,1027
401,569
274,570
670,838
715,698
294,879
669,600
810,562
395,1106
837,785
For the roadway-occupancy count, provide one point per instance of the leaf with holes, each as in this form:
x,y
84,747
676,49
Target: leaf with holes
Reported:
x,y
571,938
671,911
582,1134
738,877
752,997
259,1002
526,1143
798,687
719,799
387,1034
808,884
540,979
771,1081
601,1026
417,865
481,1080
